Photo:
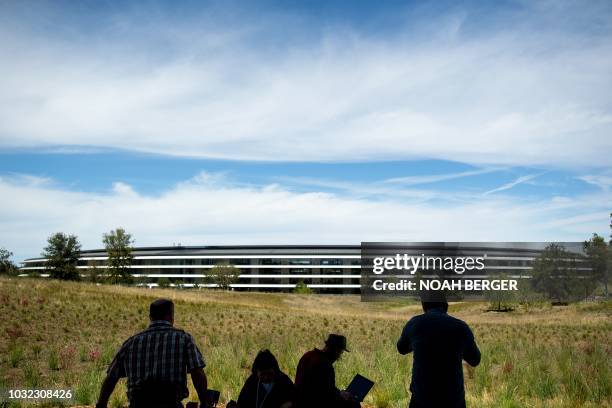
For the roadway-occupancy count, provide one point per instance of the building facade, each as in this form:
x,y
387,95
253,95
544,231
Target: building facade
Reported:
x,y
323,268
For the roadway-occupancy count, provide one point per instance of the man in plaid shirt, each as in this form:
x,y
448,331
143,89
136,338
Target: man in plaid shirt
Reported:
x,y
156,362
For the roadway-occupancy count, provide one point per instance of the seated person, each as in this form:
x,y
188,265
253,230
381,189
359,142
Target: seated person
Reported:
x,y
267,386
315,378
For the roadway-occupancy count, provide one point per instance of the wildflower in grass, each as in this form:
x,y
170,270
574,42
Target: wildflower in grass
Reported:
x,y
14,332
67,356
94,354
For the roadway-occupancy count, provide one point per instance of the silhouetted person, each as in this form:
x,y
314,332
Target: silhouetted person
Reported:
x,y
267,386
439,342
156,362
315,378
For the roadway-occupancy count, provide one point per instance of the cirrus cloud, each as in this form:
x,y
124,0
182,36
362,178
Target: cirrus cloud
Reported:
x,y
211,209
536,95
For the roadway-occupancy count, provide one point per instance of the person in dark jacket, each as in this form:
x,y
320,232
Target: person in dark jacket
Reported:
x,y
439,343
267,386
315,378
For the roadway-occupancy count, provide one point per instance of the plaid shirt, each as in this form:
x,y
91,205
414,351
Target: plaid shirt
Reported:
x,y
161,352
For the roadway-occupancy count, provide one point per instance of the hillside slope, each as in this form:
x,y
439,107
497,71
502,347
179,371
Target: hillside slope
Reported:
x,y
63,334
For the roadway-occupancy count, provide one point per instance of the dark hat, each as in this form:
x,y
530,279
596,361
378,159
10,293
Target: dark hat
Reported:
x,y
336,341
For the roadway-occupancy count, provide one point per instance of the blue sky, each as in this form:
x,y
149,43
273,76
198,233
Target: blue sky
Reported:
x,y
304,122
153,174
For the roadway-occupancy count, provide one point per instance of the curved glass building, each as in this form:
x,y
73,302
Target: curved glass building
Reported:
x,y
323,268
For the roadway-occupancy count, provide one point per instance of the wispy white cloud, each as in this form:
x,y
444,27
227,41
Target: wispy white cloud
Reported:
x,y
363,189
198,211
26,180
515,182
603,181
434,178
535,96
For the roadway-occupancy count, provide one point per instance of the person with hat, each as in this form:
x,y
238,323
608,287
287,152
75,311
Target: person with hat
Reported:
x,y
315,378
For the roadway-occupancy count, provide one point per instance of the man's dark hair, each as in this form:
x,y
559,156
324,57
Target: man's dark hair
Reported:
x,y
160,309
265,360
435,305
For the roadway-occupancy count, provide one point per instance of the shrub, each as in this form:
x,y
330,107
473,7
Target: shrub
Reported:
x,y
16,355
163,282
53,360
302,288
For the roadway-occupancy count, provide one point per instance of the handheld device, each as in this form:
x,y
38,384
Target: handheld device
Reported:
x,y
359,387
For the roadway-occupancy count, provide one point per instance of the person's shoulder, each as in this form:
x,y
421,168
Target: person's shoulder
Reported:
x,y
186,335
310,353
456,320
312,357
285,383
182,332
126,346
416,319
178,331
128,341
135,336
251,380
284,379
459,323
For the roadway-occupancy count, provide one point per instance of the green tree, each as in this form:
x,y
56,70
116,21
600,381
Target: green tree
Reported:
x,y
163,282
118,244
7,267
500,300
62,254
223,275
142,280
554,273
598,254
94,275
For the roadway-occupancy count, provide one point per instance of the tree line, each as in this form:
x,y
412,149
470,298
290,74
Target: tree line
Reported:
x,y
63,251
561,276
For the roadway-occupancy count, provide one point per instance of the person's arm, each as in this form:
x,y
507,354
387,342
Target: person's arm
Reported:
x,y
200,383
471,353
108,385
115,371
334,393
404,345
246,398
290,393
195,366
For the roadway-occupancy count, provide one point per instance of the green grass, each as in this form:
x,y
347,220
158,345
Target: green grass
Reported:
x,y
63,335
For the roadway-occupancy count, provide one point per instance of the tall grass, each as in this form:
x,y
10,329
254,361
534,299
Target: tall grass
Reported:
x,y
534,357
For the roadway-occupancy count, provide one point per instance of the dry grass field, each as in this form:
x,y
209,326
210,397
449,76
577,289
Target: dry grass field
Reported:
x,y
62,335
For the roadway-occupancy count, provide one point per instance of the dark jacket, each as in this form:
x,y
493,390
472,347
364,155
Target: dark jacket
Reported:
x,y
254,395
439,343
315,380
